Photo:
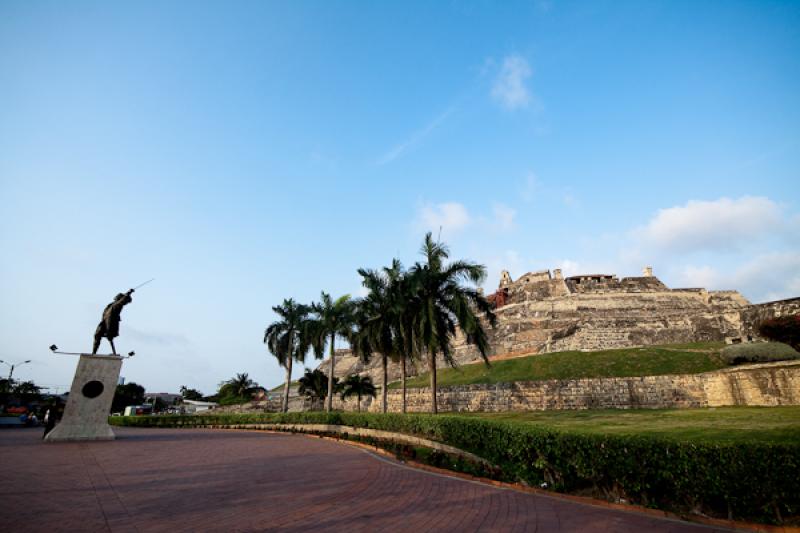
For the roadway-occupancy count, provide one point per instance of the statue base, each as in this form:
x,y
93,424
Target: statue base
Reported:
x,y
89,402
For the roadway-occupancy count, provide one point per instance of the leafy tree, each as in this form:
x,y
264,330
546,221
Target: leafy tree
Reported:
x,y
287,339
785,329
237,389
381,324
127,394
356,385
314,384
445,305
330,319
6,385
26,389
190,394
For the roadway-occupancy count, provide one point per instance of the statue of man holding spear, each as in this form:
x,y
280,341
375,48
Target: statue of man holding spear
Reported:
x,y
109,325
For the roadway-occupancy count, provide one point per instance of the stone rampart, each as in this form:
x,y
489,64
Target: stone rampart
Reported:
x,y
754,385
544,313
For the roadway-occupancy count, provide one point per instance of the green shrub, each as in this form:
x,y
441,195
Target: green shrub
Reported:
x,y
782,329
758,352
746,481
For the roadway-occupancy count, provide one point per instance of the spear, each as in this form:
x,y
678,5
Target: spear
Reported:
x,y
143,284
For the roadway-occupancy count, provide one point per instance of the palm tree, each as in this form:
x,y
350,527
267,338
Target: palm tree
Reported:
x,y
356,385
285,339
444,305
314,384
238,386
379,320
332,319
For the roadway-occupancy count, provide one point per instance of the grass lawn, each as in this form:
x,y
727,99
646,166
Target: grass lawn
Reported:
x,y
716,424
689,358
279,388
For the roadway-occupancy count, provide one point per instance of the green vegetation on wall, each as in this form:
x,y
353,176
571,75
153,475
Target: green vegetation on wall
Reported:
x,y
625,362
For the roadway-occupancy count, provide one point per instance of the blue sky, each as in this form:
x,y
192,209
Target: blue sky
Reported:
x,y
246,152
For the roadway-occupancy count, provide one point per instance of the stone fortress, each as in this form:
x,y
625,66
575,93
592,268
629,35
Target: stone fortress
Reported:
x,y
543,312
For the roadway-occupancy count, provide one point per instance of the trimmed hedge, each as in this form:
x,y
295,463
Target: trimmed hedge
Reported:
x,y
758,352
758,482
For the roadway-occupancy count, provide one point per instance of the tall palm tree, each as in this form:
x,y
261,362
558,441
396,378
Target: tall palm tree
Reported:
x,y
356,385
314,384
285,339
330,319
380,320
444,305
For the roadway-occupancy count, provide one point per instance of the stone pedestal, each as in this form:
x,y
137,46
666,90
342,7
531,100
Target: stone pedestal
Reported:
x,y
89,403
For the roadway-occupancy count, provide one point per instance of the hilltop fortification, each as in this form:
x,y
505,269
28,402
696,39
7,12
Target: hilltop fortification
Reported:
x,y
546,312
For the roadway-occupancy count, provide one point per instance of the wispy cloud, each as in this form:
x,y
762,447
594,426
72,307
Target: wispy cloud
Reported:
x,y
530,187
503,216
450,216
510,88
416,137
159,338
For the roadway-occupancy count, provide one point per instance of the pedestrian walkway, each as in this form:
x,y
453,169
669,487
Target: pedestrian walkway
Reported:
x,y
206,480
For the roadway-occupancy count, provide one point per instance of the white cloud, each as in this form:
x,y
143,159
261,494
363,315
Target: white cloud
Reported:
x,y
450,216
701,277
503,216
399,149
767,277
509,88
569,268
723,224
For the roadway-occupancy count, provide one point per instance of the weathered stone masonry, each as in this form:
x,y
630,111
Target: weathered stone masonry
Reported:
x,y
760,385
546,312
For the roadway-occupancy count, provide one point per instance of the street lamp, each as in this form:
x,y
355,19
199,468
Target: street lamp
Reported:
x,y
12,366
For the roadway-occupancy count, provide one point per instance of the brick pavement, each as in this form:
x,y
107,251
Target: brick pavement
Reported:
x,y
205,480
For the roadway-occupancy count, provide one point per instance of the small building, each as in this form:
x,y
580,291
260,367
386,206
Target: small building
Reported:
x,y
195,406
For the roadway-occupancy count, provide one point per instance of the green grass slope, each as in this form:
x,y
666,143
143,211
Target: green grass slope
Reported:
x,y
775,425
690,358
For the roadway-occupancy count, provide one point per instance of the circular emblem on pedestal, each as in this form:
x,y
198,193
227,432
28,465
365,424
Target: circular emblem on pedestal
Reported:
x,y
92,389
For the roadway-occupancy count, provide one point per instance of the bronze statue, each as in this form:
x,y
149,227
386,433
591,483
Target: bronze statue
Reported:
x,y
109,325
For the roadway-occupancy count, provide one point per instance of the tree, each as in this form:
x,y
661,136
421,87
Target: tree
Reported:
x,y
356,385
379,321
785,329
190,394
445,305
331,319
125,395
286,339
314,384
26,389
236,390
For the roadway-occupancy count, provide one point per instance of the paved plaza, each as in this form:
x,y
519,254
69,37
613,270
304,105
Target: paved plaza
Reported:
x,y
206,480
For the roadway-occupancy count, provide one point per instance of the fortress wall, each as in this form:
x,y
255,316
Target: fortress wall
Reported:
x,y
754,385
755,314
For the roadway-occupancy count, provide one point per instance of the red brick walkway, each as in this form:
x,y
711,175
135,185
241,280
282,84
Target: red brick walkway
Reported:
x,y
204,480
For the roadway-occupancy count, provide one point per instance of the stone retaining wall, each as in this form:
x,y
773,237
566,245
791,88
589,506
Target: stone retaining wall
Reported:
x,y
754,385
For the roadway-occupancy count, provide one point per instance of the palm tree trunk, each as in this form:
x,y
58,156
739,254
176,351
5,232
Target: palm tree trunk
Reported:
x,y
432,362
285,406
359,402
384,392
329,406
403,369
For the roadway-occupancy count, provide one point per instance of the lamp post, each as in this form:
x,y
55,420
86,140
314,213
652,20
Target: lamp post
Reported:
x,y
12,366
